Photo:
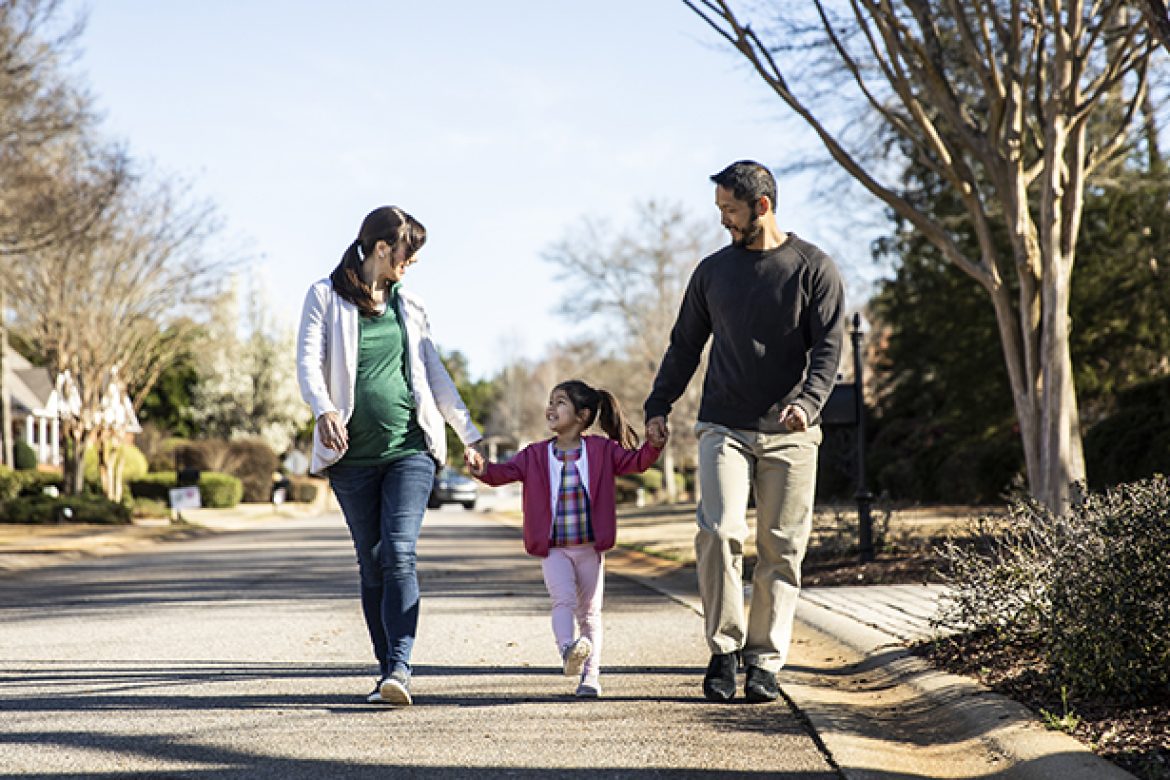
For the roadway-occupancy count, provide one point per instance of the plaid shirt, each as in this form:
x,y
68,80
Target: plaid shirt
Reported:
x,y
571,524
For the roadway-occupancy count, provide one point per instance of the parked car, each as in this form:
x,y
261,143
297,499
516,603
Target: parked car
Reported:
x,y
451,487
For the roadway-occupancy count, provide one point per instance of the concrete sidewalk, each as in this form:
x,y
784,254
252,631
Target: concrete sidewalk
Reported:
x,y
878,711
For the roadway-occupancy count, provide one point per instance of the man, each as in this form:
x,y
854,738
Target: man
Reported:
x,y
772,304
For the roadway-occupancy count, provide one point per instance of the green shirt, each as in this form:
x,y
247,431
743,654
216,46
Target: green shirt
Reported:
x,y
384,426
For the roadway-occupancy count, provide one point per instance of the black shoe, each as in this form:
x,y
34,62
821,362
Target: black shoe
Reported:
x,y
719,682
760,685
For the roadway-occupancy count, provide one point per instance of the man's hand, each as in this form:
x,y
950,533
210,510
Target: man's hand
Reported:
x,y
657,432
331,432
793,418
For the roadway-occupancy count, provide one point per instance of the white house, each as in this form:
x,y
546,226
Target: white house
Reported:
x,y
38,407
33,416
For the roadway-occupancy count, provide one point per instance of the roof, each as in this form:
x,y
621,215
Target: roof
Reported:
x,y
28,386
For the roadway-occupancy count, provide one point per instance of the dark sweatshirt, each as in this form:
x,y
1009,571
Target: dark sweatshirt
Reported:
x,y
777,326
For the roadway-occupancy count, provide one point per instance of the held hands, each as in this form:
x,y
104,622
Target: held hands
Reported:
x,y
793,418
657,432
332,432
475,461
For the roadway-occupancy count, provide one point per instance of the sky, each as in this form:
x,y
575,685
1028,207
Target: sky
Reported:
x,y
499,125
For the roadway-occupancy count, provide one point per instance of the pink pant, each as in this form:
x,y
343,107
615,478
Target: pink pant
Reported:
x,y
575,578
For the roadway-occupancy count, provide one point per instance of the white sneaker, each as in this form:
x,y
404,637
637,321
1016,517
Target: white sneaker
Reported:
x,y
590,687
575,654
375,696
395,690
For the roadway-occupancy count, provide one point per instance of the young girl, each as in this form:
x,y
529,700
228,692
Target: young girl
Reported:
x,y
570,518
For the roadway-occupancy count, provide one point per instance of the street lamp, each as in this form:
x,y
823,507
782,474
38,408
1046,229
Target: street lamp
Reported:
x,y
863,496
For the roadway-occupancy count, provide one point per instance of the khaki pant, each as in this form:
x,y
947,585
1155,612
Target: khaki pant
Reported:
x,y
782,469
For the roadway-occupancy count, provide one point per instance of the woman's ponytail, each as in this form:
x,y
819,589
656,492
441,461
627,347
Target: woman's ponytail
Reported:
x,y
387,223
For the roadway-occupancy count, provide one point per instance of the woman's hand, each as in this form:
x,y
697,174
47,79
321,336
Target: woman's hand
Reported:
x,y
475,461
331,431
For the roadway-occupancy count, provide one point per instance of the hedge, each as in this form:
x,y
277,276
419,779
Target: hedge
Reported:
x,y
1089,588
42,510
26,483
10,483
250,460
216,490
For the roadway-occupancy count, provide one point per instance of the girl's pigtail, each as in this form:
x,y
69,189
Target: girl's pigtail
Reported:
x,y
614,422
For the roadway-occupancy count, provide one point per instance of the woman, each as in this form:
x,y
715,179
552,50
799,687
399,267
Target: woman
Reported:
x,y
369,370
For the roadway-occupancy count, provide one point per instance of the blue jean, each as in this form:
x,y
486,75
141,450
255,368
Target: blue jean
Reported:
x,y
384,506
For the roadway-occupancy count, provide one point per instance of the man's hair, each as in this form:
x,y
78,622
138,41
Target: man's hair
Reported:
x,y
748,181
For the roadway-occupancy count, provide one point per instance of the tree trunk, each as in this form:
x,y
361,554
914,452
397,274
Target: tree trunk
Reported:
x,y
74,465
1060,451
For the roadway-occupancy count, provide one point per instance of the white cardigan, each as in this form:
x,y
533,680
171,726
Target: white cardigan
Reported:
x,y
327,356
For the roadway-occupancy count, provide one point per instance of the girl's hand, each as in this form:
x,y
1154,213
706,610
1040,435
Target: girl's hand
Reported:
x,y
331,431
475,462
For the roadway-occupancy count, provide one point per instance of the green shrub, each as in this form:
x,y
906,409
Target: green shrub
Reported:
x,y
149,508
219,491
1110,604
24,457
34,483
1092,588
18,483
134,464
652,480
10,483
154,485
250,460
216,490
44,509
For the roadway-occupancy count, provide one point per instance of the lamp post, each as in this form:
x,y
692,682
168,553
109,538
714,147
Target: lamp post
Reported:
x,y
863,496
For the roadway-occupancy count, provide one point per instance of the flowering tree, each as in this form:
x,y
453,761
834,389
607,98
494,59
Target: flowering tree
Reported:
x,y
246,385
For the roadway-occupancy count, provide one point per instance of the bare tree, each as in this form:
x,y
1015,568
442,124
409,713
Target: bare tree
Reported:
x,y
997,98
55,182
56,178
1159,18
633,280
108,309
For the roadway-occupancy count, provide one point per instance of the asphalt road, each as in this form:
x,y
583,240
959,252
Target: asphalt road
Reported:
x,y
244,655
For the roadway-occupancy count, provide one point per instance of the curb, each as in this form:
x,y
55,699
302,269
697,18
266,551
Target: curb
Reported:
x,y
84,542
881,712
113,541
956,726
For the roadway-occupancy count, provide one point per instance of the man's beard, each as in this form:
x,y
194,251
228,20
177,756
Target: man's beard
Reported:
x,y
749,234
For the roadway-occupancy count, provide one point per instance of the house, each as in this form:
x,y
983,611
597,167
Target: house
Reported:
x,y
38,406
33,419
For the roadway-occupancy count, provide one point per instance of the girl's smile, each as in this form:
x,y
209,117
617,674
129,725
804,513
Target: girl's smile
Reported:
x,y
561,416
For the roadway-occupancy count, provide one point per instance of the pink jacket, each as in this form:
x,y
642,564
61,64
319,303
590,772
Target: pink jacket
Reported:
x,y
606,460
